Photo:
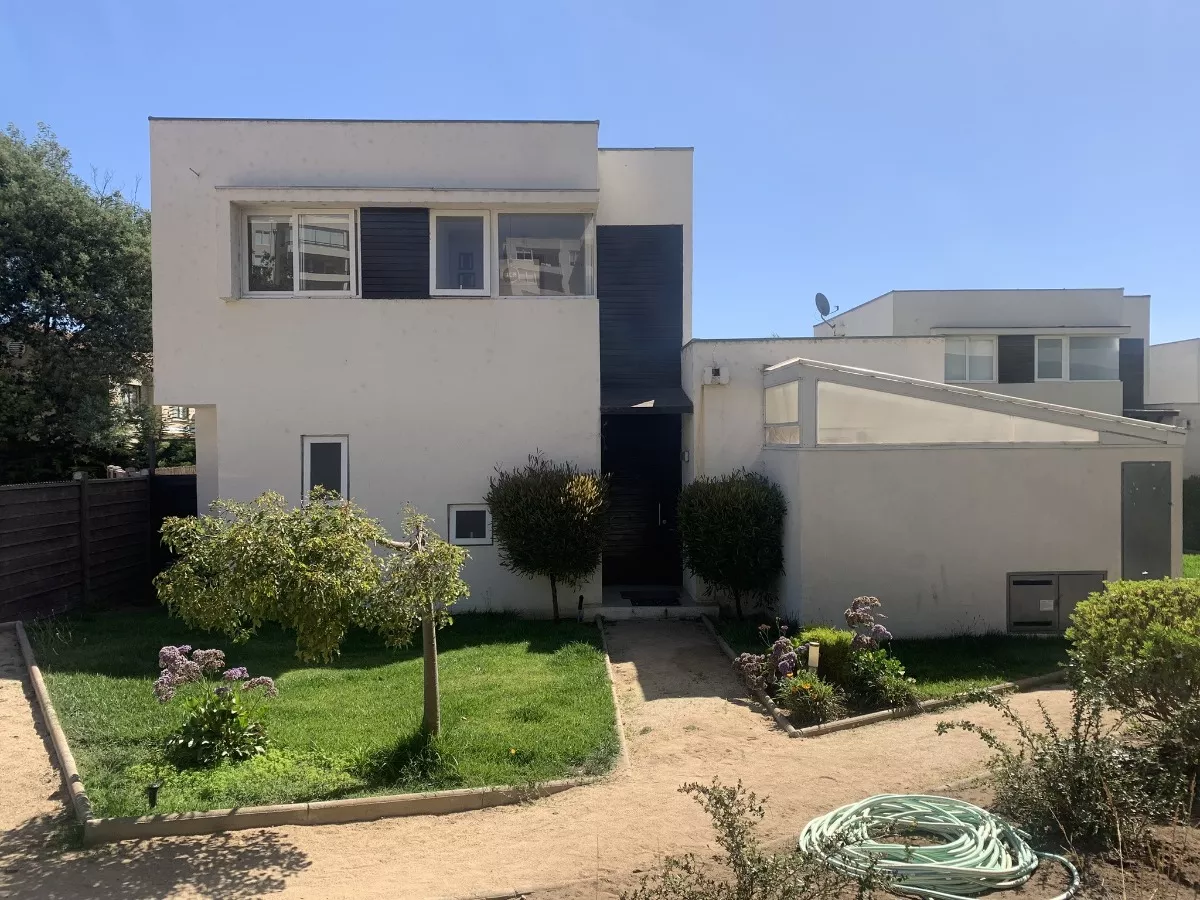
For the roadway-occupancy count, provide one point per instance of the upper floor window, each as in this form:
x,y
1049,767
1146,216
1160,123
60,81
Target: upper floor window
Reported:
x,y
546,254
970,359
305,253
1078,358
485,253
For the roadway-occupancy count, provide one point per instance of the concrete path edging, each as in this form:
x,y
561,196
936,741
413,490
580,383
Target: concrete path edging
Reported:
x,y
884,714
325,812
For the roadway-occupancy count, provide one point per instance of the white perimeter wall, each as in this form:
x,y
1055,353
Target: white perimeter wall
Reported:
x,y
432,393
727,422
1173,372
933,532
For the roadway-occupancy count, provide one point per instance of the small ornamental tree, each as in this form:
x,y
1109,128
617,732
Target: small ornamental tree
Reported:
x,y
549,521
317,570
731,535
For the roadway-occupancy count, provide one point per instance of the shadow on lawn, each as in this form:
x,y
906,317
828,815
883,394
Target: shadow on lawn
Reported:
x,y
33,864
125,643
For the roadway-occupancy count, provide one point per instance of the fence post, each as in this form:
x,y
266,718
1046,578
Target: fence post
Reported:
x,y
85,533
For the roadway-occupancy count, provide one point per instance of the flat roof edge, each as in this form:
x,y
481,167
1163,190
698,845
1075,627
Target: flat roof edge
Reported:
x,y
379,121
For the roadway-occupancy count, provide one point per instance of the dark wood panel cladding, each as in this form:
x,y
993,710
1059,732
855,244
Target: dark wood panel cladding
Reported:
x,y
394,247
1015,363
639,283
1132,372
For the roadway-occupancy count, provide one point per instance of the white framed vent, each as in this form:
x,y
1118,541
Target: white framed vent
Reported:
x,y
715,374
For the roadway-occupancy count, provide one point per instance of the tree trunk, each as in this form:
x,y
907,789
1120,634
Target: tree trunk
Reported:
x,y
431,723
737,603
554,595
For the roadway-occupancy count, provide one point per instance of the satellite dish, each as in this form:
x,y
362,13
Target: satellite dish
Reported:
x,y
823,307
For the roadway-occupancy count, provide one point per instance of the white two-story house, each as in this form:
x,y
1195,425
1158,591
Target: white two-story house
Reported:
x,y
395,309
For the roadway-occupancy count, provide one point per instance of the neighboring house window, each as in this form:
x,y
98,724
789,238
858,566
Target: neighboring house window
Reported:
x,y
781,414
1051,359
545,254
470,524
326,463
1095,359
458,253
321,263
131,396
970,359
178,412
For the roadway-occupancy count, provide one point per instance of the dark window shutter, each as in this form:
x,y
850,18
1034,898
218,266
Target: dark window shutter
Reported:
x,y
639,284
394,244
1015,358
1132,372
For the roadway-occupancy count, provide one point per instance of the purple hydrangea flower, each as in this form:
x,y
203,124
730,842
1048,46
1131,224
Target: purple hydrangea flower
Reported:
x,y
237,673
164,687
879,633
262,681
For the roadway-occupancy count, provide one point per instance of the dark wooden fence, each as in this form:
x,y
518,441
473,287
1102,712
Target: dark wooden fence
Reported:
x,y
84,543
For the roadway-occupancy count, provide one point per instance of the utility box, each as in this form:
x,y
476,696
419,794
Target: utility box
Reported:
x,y
715,375
1042,602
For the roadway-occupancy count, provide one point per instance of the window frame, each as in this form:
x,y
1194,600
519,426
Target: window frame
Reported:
x,y
589,256
969,338
1064,343
294,213
1067,360
306,441
454,508
778,427
488,252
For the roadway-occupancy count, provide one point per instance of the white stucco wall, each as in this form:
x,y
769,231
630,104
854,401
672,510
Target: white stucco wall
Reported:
x,y
1173,372
433,394
727,420
933,532
650,186
870,319
1102,396
916,312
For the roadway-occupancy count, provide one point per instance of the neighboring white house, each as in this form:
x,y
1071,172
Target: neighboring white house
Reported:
x,y
396,309
1082,348
1174,387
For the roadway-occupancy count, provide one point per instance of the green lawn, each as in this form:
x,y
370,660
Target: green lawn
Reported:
x,y
522,701
945,666
1191,565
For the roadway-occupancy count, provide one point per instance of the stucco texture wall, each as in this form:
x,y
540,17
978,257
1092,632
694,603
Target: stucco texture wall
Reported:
x,y
933,532
1102,396
1173,372
916,312
727,421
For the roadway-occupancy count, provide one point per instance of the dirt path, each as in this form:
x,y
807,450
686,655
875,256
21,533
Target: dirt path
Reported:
x,y
685,720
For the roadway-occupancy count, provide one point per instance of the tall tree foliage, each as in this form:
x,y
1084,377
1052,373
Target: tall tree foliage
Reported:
x,y
549,521
74,312
317,571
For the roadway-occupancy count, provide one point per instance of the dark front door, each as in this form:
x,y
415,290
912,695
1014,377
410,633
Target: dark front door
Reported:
x,y
1145,520
640,454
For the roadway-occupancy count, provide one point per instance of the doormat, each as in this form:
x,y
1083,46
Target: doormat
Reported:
x,y
664,597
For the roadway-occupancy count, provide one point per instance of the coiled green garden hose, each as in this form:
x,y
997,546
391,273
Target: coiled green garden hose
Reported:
x,y
979,851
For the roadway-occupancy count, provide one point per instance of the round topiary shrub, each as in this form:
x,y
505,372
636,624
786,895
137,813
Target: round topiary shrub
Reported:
x,y
731,535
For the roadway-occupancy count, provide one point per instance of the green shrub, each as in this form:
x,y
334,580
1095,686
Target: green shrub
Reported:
x,y
731,535
1081,785
833,663
218,728
549,520
876,680
810,700
1191,514
1136,644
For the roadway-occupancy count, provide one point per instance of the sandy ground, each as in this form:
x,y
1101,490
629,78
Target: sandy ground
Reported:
x,y
685,720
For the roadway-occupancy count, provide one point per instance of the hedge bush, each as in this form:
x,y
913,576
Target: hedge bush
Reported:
x,y
809,699
833,663
1138,643
549,521
731,535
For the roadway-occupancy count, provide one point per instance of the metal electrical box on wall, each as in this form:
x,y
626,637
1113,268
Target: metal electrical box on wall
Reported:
x,y
716,375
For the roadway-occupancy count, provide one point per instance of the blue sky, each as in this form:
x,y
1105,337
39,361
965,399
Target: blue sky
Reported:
x,y
846,147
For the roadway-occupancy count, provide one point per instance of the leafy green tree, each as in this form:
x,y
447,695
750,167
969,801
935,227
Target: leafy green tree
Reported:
x,y
731,534
549,521
316,571
74,313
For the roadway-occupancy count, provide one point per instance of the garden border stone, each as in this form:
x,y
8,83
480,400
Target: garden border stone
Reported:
x,y
324,812
882,715
623,761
